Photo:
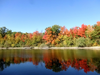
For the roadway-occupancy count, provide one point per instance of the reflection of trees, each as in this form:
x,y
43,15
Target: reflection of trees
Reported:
x,y
78,64
54,65
1,65
81,64
56,60
97,63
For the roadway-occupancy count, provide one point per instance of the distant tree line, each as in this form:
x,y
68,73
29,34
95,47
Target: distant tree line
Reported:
x,y
86,35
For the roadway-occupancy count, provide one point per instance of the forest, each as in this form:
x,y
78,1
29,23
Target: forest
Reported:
x,y
54,36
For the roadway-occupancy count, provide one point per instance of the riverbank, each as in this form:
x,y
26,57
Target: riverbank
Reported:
x,y
91,48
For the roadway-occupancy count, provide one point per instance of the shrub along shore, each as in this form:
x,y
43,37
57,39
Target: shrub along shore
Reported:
x,y
48,48
55,37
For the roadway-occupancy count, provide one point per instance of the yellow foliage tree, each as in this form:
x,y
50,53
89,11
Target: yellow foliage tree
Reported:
x,y
89,30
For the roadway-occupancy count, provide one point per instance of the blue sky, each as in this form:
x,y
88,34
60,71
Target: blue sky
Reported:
x,y
31,15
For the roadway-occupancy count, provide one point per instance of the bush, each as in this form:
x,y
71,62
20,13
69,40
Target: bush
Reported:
x,y
21,44
95,43
7,44
98,41
1,45
12,45
17,45
88,42
64,43
39,44
43,45
28,44
81,42
61,45
68,41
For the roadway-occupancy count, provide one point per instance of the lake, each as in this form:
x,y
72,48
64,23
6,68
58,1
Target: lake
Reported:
x,y
49,62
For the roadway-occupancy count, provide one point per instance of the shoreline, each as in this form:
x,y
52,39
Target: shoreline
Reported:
x,y
27,48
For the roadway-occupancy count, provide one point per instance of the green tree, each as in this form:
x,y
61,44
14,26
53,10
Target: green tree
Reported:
x,y
81,42
4,31
56,29
96,33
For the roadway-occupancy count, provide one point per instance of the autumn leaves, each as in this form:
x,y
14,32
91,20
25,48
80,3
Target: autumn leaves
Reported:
x,y
53,36
63,35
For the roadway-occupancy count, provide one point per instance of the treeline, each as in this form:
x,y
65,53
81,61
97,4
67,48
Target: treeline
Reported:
x,y
86,35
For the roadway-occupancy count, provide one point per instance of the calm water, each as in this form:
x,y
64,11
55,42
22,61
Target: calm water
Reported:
x,y
50,62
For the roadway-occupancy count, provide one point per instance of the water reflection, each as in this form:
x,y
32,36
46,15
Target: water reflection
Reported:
x,y
55,60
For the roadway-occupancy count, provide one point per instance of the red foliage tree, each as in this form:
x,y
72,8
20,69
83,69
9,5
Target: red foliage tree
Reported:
x,y
49,36
75,31
81,30
98,23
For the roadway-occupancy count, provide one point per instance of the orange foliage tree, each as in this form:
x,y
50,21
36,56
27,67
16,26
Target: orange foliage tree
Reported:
x,y
81,31
49,36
